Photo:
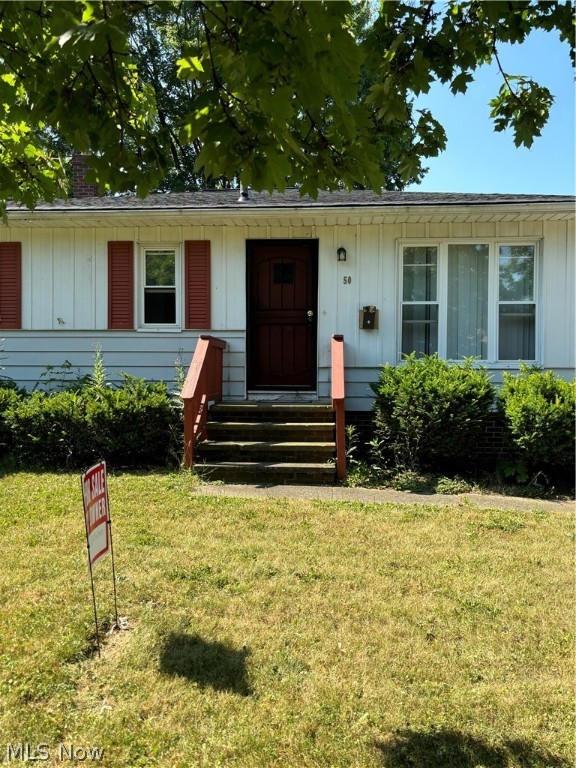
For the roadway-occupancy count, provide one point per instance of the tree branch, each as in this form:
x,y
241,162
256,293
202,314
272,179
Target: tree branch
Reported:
x,y
504,75
219,85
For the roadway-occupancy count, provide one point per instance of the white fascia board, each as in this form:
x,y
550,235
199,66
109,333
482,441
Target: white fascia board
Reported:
x,y
537,210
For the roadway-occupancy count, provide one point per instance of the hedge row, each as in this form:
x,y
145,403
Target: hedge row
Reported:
x,y
429,414
136,424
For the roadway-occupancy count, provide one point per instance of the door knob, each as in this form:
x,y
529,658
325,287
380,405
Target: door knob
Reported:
x,y
310,313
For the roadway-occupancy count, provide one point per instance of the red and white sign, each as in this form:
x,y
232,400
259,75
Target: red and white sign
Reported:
x,y
96,511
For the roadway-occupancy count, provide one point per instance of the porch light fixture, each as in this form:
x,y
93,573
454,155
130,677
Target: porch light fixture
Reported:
x,y
341,252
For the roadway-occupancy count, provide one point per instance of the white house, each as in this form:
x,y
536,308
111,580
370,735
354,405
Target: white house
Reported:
x,y
490,276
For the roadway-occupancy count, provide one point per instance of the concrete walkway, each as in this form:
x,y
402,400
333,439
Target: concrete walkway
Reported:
x,y
382,496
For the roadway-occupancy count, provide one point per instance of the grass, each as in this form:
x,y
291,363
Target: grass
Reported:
x,y
278,633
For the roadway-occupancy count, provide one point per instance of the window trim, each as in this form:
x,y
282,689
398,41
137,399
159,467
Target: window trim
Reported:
x,y
535,298
140,283
493,244
424,302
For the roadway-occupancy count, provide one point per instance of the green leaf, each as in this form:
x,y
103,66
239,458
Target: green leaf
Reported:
x,y
317,93
460,83
189,67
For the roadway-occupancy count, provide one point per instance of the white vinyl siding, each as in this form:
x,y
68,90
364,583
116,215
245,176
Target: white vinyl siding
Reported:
x,y
63,324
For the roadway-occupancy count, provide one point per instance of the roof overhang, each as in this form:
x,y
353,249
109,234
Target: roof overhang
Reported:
x,y
145,216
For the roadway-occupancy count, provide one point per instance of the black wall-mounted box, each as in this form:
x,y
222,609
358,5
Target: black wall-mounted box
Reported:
x,y
368,318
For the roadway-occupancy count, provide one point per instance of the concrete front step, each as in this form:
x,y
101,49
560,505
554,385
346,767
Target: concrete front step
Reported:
x,y
264,472
272,412
269,442
267,450
263,430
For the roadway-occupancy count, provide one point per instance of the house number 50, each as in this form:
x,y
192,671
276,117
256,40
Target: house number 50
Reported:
x,y
347,279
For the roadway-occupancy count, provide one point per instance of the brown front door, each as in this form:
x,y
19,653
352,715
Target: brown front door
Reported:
x,y
282,304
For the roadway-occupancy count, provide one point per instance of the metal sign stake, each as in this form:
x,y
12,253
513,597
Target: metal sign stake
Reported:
x,y
112,556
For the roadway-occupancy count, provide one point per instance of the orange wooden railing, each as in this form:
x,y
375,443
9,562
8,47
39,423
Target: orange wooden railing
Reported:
x,y
338,394
203,385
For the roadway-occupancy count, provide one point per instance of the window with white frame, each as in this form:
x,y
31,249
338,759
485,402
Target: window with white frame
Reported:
x,y
516,303
160,287
468,299
420,303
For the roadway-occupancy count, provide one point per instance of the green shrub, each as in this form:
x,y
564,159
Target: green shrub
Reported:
x,y
137,424
538,411
134,425
429,412
8,398
86,419
48,429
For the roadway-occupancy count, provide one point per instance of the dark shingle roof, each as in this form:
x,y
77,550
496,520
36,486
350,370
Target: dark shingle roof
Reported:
x,y
229,199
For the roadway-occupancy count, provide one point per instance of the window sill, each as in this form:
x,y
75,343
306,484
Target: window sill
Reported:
x,y
502,365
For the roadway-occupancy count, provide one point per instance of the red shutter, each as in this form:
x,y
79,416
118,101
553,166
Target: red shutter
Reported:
x,y
10,285
120,285
197,284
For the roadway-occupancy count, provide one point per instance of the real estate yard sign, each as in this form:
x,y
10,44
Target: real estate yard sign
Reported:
x,y
98,527
96,511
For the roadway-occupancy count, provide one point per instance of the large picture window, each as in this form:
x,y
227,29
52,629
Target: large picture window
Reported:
x,y
469,300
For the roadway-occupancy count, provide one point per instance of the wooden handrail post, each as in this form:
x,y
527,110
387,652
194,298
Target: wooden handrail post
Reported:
x,y
338,400
203,384
188,434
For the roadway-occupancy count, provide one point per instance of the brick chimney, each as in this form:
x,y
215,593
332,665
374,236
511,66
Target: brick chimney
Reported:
x,y
80,188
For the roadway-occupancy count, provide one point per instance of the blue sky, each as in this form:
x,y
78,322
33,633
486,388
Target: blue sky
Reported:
x,y
477,159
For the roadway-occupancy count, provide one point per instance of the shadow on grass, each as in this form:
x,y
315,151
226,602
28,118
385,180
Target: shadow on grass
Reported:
x,y
452,749
208,664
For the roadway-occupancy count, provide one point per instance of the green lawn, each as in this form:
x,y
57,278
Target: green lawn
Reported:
x,y
288,634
